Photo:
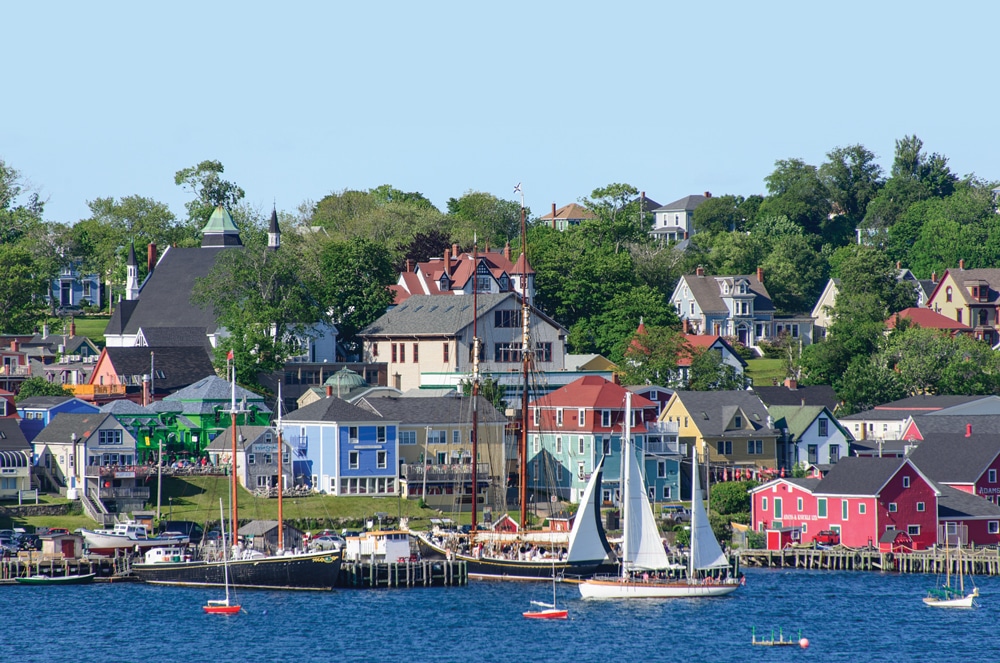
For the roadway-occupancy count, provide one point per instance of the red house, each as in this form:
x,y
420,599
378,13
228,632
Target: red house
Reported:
x,y
970,463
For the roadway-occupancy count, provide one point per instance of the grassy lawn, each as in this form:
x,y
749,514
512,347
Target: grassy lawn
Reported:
x,y
763,372
92,327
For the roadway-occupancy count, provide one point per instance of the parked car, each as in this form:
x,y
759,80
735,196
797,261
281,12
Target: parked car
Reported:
x,y
28,542
190,529
827,537
327,542
675,512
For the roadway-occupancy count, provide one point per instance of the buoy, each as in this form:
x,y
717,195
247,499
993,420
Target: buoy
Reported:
x,y
804,643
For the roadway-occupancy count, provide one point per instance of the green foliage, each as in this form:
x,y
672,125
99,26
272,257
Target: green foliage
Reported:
x,y
928,361
731,497
797,193
17,216
19,286
204,181
726,213
489,389
621,316
865,383
708,372
852,179
651,358
41,387
384,215
619,217
493,221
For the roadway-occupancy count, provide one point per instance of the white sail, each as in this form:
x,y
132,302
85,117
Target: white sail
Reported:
x,y
705,550
586,540
642,547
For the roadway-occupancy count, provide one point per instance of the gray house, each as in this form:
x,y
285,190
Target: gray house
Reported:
x,y
731,306
256,456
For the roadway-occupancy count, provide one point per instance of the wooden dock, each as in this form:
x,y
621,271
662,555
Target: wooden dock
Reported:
x,y
982,561
107,569
421,573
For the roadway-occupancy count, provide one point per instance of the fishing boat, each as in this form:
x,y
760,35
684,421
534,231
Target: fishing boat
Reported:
x,y
127,536
57,580
947,596
548,610
222,606
645,569
317,570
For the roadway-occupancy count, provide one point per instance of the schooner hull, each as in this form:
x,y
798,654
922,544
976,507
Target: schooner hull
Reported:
x,y
619,589
316,571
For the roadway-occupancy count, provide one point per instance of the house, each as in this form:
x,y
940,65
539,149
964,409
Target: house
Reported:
x,y
571,428
654,393
861,498
887,421
566,216
674,221
427,341
811,435
792,393
697,343
970,464
144,373
967,519
73,288
589,362
733,306
731,429
299,377
970,297
256,457
916,428
458,273
8,407
37,412
343,449
15,459
925,318
822,312
262,536
435,448
68,344
15,366
96,456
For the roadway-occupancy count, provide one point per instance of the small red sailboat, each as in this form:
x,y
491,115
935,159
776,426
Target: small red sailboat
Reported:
x,y
222,606
549,610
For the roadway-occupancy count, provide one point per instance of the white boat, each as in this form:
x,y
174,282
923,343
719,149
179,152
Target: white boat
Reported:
x,y
222,606
645,568
126,537
948,597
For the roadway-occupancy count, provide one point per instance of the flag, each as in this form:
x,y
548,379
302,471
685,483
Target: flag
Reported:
x,y
229,356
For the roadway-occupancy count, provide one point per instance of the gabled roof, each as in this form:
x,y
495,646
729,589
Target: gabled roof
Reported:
x,y
955,503
806,483
592,391
62,428
798,418
927,319
819,394
982,405
175,337
702,342
120,316
913,405
707,291
951,459
687,203
11,436
983,424
224,440
965,276
429,315
43,402
429,410
123,406
179,366
862,476
332,409
214,388
571,212
70,343
711,412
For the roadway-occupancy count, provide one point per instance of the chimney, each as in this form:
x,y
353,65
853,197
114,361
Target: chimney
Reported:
x,y
968,430
329,391
506,251
14,345
151,256
145,390
699,271
447,261
686,326
72,328
45,330
409,264
454,251
899,265
791,383
553,216
933,277
961,263
708,194
760,274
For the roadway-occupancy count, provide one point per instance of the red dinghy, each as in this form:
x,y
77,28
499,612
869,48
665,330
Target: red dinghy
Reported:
x,y
549,613
222,606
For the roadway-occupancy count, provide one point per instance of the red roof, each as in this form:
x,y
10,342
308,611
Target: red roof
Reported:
x,y
695,342
592,391
571,211
460,270
928,319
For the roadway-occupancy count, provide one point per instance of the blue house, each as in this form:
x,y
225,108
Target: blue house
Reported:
x,y
342,449
38,411
71,288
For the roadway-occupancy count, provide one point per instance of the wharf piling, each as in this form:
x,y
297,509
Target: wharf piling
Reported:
x,y
984,561
106,569
404,573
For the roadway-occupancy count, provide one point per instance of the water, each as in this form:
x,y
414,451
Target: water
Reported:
x,y
852,617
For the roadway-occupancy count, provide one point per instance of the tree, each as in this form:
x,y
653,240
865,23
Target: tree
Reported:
x,y
204,181
852,179
615,325
494,221
19,286
915,176
795,274
797,192
866,383
385,215
928,361
41,387
651,357
17,217
619,216
719,214
708,372
731,497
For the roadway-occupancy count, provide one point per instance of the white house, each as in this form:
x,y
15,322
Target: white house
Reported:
x,y
812,435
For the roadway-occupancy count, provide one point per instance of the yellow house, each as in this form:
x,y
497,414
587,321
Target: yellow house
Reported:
x,y
971,297
730,429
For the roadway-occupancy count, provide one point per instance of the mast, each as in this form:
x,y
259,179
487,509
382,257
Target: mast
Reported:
x,y
232,413
475,386
626,477
525,365
225,563
695,495
281,475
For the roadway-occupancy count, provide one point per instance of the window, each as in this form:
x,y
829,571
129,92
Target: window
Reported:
x,y
262,481
958,315
251,459
580,446
579,470
691,308
913,530
380,434
798,504
892,507
991,476
456,437
415,355
844,509
993,527
508,353
437,437
109,438
778,513
947,294
812,453
763,503
352,434
821,507
559,444
374,350
906,482
605,418
381,459
402,353
268,459
724,447
558,471
834,453
407,437
284,458
862,508
534,416
559,416
824,427
920,506
581,418
536,444
543,351
352,460
393,353
738,421
506,319
606,446
755,447
661,469
444,353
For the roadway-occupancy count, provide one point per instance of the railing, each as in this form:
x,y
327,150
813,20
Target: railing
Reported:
x,y
8,369
121,471
444,472
94,390
671,447
141,493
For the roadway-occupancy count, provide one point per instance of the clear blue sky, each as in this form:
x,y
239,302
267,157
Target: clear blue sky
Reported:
x,y
300,99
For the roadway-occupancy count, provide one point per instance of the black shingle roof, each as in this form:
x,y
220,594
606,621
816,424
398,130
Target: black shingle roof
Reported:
x,y
180,366
61,429
945,424
914,405
332,409
712,411
440,314
955,503
708,293
11,436
859,476
416,410
955,458
811,395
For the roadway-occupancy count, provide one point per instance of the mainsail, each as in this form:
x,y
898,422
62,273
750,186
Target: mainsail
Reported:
x,y
705,550
587,541
642,547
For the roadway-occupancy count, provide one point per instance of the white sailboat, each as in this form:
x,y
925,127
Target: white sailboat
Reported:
x,y
222,606
948,597
644,561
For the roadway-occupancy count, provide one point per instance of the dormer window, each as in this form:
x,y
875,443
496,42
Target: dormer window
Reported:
x,y
504,283
443,283
743,287
738,421
725,287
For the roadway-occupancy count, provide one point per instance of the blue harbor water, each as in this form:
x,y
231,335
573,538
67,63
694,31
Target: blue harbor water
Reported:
x,y
846,617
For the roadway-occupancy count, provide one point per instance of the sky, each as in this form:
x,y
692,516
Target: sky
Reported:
x,y
302,99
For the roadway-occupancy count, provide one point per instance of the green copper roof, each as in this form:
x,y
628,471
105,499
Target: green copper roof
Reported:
x,y
345,378
220,222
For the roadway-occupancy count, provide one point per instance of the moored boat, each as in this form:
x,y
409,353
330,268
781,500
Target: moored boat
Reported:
x,y
57,580
126,537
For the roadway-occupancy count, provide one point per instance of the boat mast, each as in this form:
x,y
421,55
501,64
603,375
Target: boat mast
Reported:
x,y
525,365
232,413
225,563
281,475
475,385
626,477
695,495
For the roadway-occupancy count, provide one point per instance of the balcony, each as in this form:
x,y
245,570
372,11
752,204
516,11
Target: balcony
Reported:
x,y
443,473
138,493
15,370
120,472
92,391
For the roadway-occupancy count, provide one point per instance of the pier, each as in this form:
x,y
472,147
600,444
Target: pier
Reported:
x,y
107,569
982,561
419,573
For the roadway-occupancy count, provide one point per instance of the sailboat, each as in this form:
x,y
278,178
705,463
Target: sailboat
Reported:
x,y
644,562
549,610
223,606
948,597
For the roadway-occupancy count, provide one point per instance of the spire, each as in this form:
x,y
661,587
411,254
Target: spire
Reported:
x,y
131,275
273,232
220,230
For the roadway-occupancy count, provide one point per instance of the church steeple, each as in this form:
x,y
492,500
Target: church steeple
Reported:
x,y
220,230
132,275
273,232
